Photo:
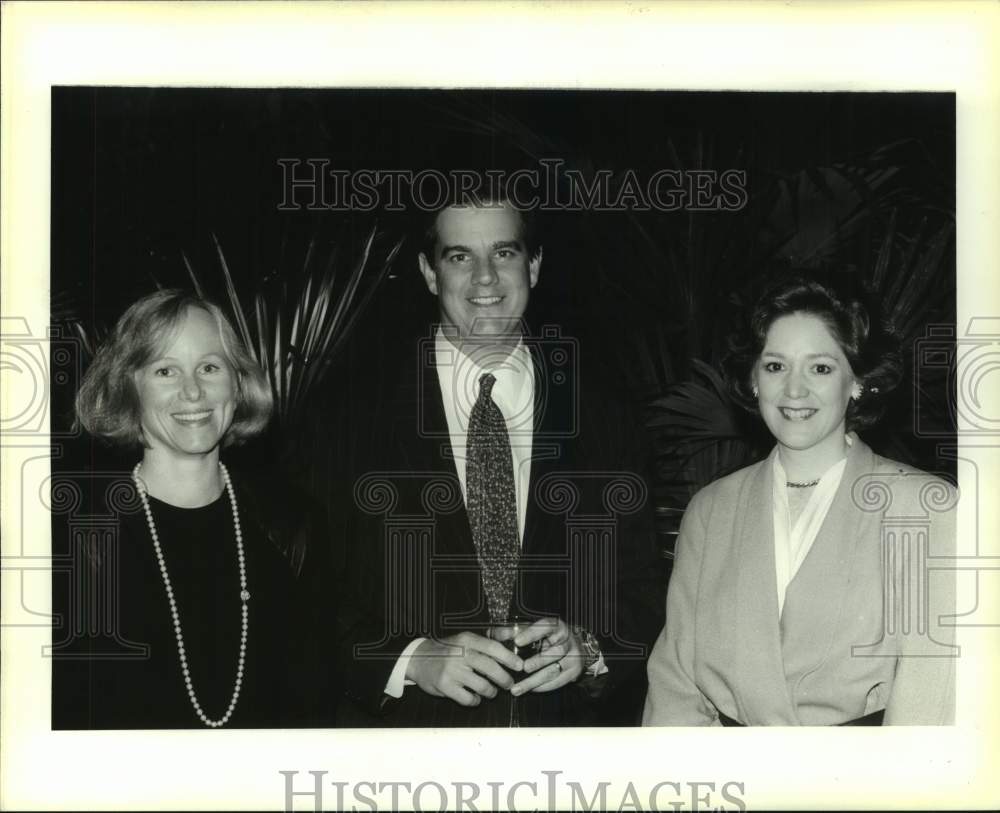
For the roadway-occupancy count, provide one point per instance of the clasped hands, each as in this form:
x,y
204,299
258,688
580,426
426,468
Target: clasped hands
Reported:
x,y
468,667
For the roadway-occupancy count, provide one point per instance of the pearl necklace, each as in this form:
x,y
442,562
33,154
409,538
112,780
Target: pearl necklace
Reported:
x,y
810,484
244,598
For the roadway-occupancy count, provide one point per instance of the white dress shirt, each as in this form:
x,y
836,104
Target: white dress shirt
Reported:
x,y
513,393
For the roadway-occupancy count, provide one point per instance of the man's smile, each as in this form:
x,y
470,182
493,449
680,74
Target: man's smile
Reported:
x,y
485,301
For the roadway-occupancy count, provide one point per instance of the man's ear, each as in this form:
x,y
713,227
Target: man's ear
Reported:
x,y
535,267
430,275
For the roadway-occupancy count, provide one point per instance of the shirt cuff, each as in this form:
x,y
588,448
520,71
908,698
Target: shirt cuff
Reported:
x,y
397,680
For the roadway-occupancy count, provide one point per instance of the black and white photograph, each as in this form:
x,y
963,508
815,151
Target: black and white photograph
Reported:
x,y
379,419
605,277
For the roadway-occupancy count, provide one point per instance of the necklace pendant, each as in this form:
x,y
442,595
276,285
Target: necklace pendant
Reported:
x,y
244,595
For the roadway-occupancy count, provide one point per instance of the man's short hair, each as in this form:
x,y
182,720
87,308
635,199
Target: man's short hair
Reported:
x,y
428,236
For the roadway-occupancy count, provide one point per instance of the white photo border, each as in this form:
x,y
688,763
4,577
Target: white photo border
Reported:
x,y
710,46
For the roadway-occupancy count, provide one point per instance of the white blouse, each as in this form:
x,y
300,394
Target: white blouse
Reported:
x,y
793,542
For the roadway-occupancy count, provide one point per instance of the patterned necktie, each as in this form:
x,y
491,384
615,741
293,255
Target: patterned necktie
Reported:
x,y
490,500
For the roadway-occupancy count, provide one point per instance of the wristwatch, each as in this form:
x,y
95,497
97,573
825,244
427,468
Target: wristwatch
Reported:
x,y
591,648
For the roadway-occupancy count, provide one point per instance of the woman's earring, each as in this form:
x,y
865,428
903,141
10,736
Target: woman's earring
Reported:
x,y
856,392
756,392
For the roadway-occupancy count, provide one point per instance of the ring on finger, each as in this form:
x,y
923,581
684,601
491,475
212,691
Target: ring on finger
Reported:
x,y
559,666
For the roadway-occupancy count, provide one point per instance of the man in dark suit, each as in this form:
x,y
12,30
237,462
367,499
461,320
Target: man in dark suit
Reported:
x,y
493,485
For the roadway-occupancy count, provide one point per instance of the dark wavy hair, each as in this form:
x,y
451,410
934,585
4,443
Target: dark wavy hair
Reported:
x,y
869,343
107,404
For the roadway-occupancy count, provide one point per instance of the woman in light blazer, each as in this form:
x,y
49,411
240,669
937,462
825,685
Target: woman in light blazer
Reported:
x,y
801,592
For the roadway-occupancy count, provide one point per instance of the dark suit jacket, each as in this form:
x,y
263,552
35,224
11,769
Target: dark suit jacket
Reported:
x,y
409,566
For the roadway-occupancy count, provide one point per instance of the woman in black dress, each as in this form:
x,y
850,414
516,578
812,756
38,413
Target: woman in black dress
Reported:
x,y
210,627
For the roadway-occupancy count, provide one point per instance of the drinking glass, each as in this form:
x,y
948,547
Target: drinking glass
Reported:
x,y
505,633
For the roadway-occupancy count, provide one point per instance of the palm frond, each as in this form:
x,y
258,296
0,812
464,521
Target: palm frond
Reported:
x,y
194,277
234,300
295,330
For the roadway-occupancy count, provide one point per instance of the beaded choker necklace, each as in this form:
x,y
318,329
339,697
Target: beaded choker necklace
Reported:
x,y
810,484
244,598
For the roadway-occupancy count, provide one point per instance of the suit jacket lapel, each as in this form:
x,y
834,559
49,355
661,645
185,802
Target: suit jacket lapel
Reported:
x,y
453,535
549,450
756,624
814,602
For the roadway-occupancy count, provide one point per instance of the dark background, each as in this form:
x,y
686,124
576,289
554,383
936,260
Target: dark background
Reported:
x,y
145,179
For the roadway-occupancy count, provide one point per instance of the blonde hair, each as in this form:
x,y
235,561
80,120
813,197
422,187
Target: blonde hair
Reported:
x,y
107,404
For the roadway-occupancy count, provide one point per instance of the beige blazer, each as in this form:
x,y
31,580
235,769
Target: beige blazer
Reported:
x,y
864,626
